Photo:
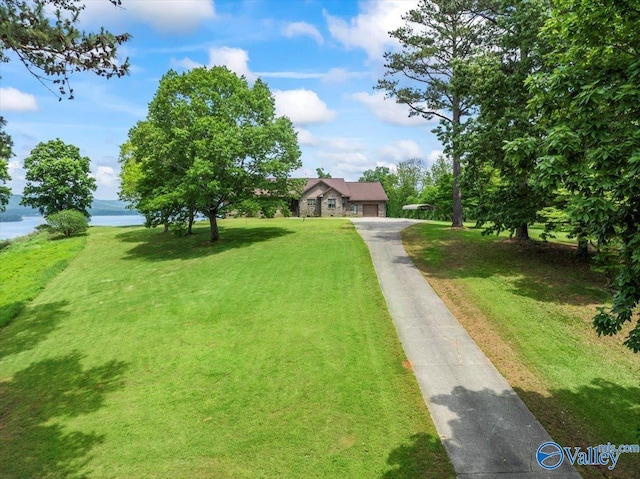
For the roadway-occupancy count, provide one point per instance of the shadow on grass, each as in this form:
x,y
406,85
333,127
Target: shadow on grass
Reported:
x,y
423,457
9,311
32,442
547,272
154,245
616,408
32,326
505,447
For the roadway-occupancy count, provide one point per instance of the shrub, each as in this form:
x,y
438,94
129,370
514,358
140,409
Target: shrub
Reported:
x,y
68,222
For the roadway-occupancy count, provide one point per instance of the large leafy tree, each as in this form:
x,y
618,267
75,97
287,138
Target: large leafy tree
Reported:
x,y
222,145
589,104
44,36
58,179
437,35
498,180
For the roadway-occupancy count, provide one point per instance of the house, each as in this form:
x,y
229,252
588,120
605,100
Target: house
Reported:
x,y
337,197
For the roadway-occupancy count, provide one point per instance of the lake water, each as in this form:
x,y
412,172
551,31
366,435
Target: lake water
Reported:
x,y
14,229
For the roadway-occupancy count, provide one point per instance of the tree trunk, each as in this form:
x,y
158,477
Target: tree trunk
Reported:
x,y
190,224
522,232
583,248
457,194
213,222
166,227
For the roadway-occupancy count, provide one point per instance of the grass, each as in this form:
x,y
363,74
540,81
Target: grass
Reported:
x,y
27,264
529,307
269,354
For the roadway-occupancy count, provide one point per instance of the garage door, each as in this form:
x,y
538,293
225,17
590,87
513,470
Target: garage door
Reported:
x,y
369,210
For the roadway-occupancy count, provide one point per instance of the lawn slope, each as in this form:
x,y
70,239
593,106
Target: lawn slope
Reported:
x,y
268,354
529,307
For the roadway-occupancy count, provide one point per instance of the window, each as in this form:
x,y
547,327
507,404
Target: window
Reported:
x,y
331,203
311,201
355,209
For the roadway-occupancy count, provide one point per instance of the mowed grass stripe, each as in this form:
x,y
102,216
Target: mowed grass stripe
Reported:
x,y
268,354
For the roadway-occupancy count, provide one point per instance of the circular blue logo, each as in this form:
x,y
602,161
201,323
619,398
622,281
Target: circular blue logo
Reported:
x,y
550,455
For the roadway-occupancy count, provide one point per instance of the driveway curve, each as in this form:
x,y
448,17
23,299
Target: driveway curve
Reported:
x,y
486,429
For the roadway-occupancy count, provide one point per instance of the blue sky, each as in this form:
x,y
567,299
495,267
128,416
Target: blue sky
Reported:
x,y
320,59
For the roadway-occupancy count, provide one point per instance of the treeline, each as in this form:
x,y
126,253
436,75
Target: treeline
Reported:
x,y
414,182
539,109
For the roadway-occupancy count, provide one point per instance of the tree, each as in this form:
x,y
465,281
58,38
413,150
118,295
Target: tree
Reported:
x,y
411,177
588,101
68,222
6,144
57,179
436,191
437,35
498,180
221,145
322,174
44,36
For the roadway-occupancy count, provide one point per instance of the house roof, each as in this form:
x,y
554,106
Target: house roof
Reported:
x,y
354,190
337,184
367,191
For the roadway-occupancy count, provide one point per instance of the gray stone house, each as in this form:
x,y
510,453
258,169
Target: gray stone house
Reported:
x,y
337,197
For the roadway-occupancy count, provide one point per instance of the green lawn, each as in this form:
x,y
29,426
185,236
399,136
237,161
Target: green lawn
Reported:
x,y
27,264
269,354
529,307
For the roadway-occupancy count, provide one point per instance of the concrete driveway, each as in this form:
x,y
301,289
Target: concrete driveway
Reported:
x,y
485,427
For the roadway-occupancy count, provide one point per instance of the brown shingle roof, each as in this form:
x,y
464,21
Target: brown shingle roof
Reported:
x,y
337,184
367,191
354,190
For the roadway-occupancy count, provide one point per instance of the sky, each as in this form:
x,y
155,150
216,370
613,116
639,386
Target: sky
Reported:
x,y
321,60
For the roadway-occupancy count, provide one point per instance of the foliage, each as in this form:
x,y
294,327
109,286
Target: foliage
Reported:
x,y
437,191
588,101
497,180
55,47
322,174
58,179
414,182
6,145
68,222
437,35
210,143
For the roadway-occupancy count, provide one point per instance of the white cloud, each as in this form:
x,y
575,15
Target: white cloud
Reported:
x,y
167,16
433,156
302,106
342,158
388,110
235,59
341,75
369,30
185,63
292,75
305,137
295,29
14,167
12,99
106,176
398,151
